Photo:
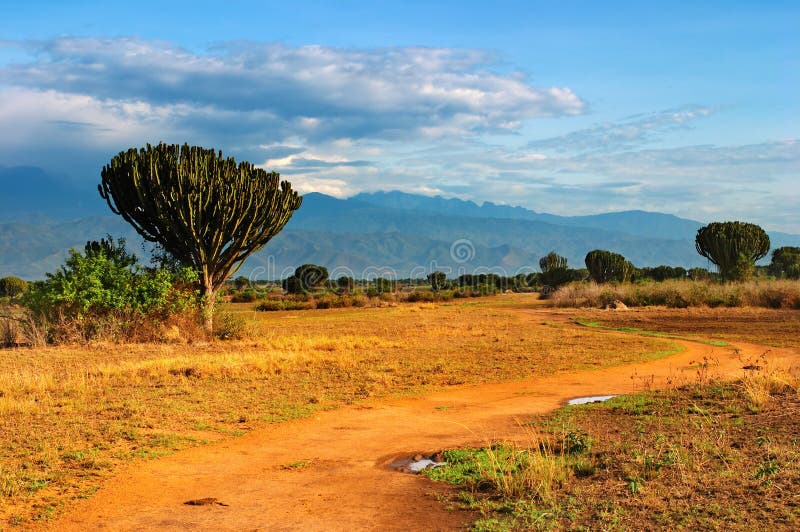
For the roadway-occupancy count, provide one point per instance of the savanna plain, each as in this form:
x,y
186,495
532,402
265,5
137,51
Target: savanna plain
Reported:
x,y
703,448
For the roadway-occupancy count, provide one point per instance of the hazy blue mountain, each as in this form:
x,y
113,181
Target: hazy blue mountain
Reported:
x,y
30,249
453,206
324,213
31,194
376,254
368,234
636,222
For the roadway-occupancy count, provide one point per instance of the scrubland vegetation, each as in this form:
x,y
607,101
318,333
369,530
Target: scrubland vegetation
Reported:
x,y
681,294
115,360
70,416
708,455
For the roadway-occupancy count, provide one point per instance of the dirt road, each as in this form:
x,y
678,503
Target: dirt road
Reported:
x,y
331,472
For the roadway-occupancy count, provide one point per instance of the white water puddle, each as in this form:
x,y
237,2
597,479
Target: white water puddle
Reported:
x,y
418,463
421,465
590,399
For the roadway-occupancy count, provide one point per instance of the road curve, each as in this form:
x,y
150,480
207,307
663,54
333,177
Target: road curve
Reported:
x,y
347,483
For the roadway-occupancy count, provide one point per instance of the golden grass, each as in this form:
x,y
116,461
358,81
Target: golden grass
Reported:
x,y
765,382
681,294
70,416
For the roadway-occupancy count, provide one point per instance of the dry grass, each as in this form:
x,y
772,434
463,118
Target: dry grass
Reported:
x,y
706,456
778,328
70,416
538,469
765,382
774,294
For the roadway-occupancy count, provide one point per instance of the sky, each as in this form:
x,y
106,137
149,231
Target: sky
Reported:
x,y
689,108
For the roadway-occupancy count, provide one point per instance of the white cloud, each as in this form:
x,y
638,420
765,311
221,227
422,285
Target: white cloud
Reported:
x,y
322,92
332,187
632,132
341,121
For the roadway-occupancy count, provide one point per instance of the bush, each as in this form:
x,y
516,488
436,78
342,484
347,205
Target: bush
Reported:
x,y
273,305
424,296
785,263
307,277
103,293
245,296
359,301
12,287
383,285
9,332
345,283
229,327
326,303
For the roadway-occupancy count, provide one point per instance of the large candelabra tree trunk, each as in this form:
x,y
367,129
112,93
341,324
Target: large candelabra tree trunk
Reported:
x,y
206,210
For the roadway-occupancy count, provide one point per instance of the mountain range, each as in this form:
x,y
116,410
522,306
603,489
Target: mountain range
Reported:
x,y
369,234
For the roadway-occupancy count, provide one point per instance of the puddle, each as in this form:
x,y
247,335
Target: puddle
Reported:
x,y
590,399
418,463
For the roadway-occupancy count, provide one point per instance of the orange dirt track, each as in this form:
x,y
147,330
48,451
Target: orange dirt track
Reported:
x,y
348,483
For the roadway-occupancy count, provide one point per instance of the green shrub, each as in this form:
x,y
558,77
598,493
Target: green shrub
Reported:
x,y
103,291
246,296
229,327
345,283
785,263
576,441
273,305
12,287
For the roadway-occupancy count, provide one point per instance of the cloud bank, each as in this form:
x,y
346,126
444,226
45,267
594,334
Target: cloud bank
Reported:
x,y
342,121
268,92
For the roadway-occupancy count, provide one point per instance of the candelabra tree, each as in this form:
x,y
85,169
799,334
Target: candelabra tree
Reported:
x,y
208,211
734,247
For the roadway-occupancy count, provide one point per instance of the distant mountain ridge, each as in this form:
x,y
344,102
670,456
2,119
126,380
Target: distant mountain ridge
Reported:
x,y
385,233
636,222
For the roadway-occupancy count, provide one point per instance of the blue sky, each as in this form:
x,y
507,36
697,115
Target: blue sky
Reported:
x,y
564,107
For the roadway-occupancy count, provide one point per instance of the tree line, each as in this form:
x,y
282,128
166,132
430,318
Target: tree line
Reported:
x,y
205,214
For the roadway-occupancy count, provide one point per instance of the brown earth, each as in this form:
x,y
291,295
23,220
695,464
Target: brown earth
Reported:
x,y
333,471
